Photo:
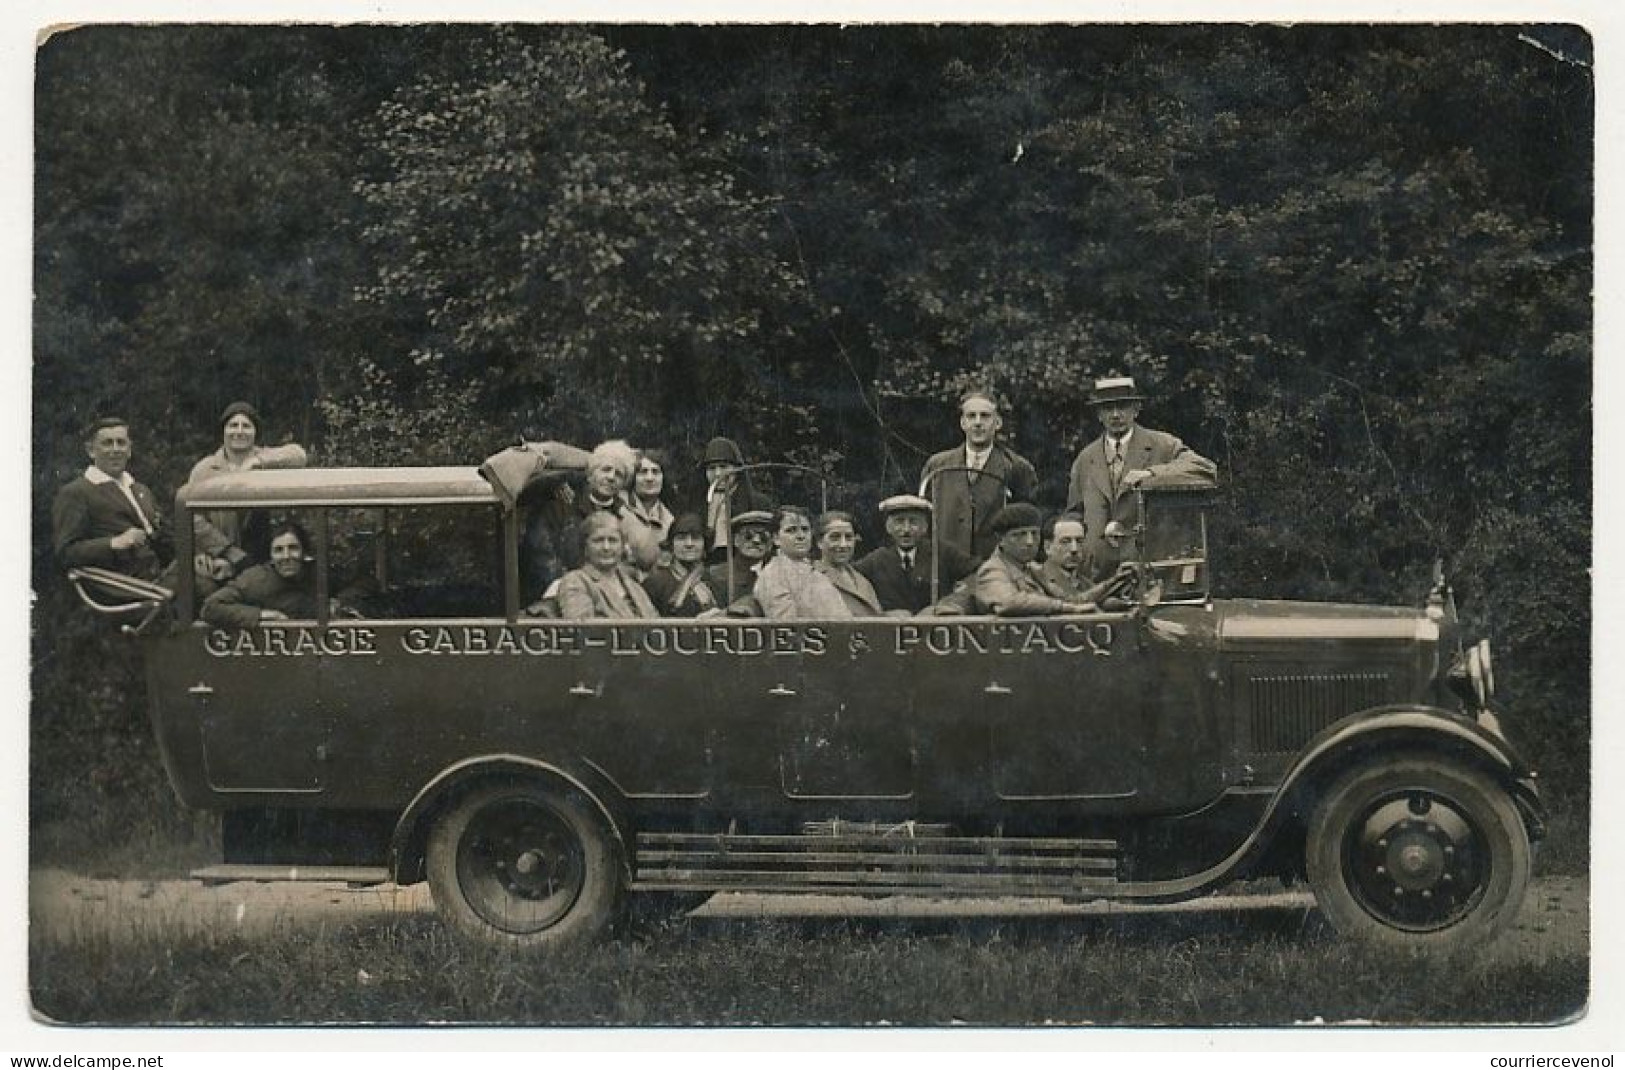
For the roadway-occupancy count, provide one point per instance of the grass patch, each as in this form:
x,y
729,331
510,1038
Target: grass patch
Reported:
x,y
1219,969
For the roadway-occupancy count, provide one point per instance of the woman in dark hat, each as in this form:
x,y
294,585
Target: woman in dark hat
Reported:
x,y
218,536
733,494
679,588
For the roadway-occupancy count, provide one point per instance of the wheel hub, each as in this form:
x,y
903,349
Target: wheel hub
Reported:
x,y
1415,861
521,866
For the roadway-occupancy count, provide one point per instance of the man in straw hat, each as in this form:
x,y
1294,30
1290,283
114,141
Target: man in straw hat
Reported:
x,y
1107,470
900,571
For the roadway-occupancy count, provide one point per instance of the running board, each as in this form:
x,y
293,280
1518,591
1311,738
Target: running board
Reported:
x,y
231,872
875,864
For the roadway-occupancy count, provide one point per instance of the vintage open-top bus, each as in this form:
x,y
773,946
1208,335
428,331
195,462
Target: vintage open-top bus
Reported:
x,y
539,771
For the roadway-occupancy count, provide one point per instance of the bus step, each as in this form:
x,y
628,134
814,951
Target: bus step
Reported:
x,y
352,875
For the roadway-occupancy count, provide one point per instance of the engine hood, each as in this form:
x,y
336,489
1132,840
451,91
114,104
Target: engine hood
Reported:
x,y
1252,619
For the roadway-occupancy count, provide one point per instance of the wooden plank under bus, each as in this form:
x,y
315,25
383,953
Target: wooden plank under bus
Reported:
x,y
883,858
978,842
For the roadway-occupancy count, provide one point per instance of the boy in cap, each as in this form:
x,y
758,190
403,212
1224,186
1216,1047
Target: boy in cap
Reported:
x,y
1106,471
900,571
1007,583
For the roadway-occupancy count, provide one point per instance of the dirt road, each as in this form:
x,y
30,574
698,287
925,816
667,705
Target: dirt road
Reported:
x,y
65,907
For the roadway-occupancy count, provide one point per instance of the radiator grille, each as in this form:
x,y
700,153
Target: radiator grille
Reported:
x,y
1288,710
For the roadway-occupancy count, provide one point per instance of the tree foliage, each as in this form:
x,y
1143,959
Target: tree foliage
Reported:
x,y
1353,264
559,245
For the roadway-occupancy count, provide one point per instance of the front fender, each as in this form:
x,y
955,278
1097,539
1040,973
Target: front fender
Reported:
x,y
1392,727
1424,722
1365,736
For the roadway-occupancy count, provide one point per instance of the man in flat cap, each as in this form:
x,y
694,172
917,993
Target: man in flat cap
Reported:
x,y
1008,583
969,483
900,571
735,578
1107,470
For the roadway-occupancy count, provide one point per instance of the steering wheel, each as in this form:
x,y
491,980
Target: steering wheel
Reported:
x,y
1120,591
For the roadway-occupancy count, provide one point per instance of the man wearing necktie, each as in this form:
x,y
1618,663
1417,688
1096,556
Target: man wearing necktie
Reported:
x,y
1106,471
963,498
900,572
105,518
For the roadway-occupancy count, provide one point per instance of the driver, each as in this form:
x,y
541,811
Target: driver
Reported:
x,y
1065,572
1008,583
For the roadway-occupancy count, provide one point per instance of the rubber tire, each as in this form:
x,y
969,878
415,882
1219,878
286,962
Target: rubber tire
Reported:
x,y
1484,803
601,892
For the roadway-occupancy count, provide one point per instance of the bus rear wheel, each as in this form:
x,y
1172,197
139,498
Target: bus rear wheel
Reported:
x,y
525,865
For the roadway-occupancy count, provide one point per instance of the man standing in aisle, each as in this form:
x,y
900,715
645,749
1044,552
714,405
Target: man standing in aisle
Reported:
x,y
963,502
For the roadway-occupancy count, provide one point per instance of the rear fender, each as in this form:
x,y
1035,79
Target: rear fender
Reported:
x,y
410,839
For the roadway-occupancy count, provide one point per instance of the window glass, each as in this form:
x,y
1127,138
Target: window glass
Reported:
x,y
420,561
1176,545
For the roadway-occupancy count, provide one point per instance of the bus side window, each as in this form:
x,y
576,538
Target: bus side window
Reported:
x,y
432,561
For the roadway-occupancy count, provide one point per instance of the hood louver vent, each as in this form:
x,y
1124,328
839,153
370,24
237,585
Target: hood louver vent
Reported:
x,y
1288,710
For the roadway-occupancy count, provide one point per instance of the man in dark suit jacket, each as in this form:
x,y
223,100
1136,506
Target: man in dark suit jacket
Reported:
x,y
1107,470
964,501
105,518
900,571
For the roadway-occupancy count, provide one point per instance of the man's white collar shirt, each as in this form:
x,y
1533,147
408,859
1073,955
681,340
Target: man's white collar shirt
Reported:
x,y
977,459
125,483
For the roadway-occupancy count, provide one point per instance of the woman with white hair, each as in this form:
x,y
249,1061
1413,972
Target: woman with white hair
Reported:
x,y
609,471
